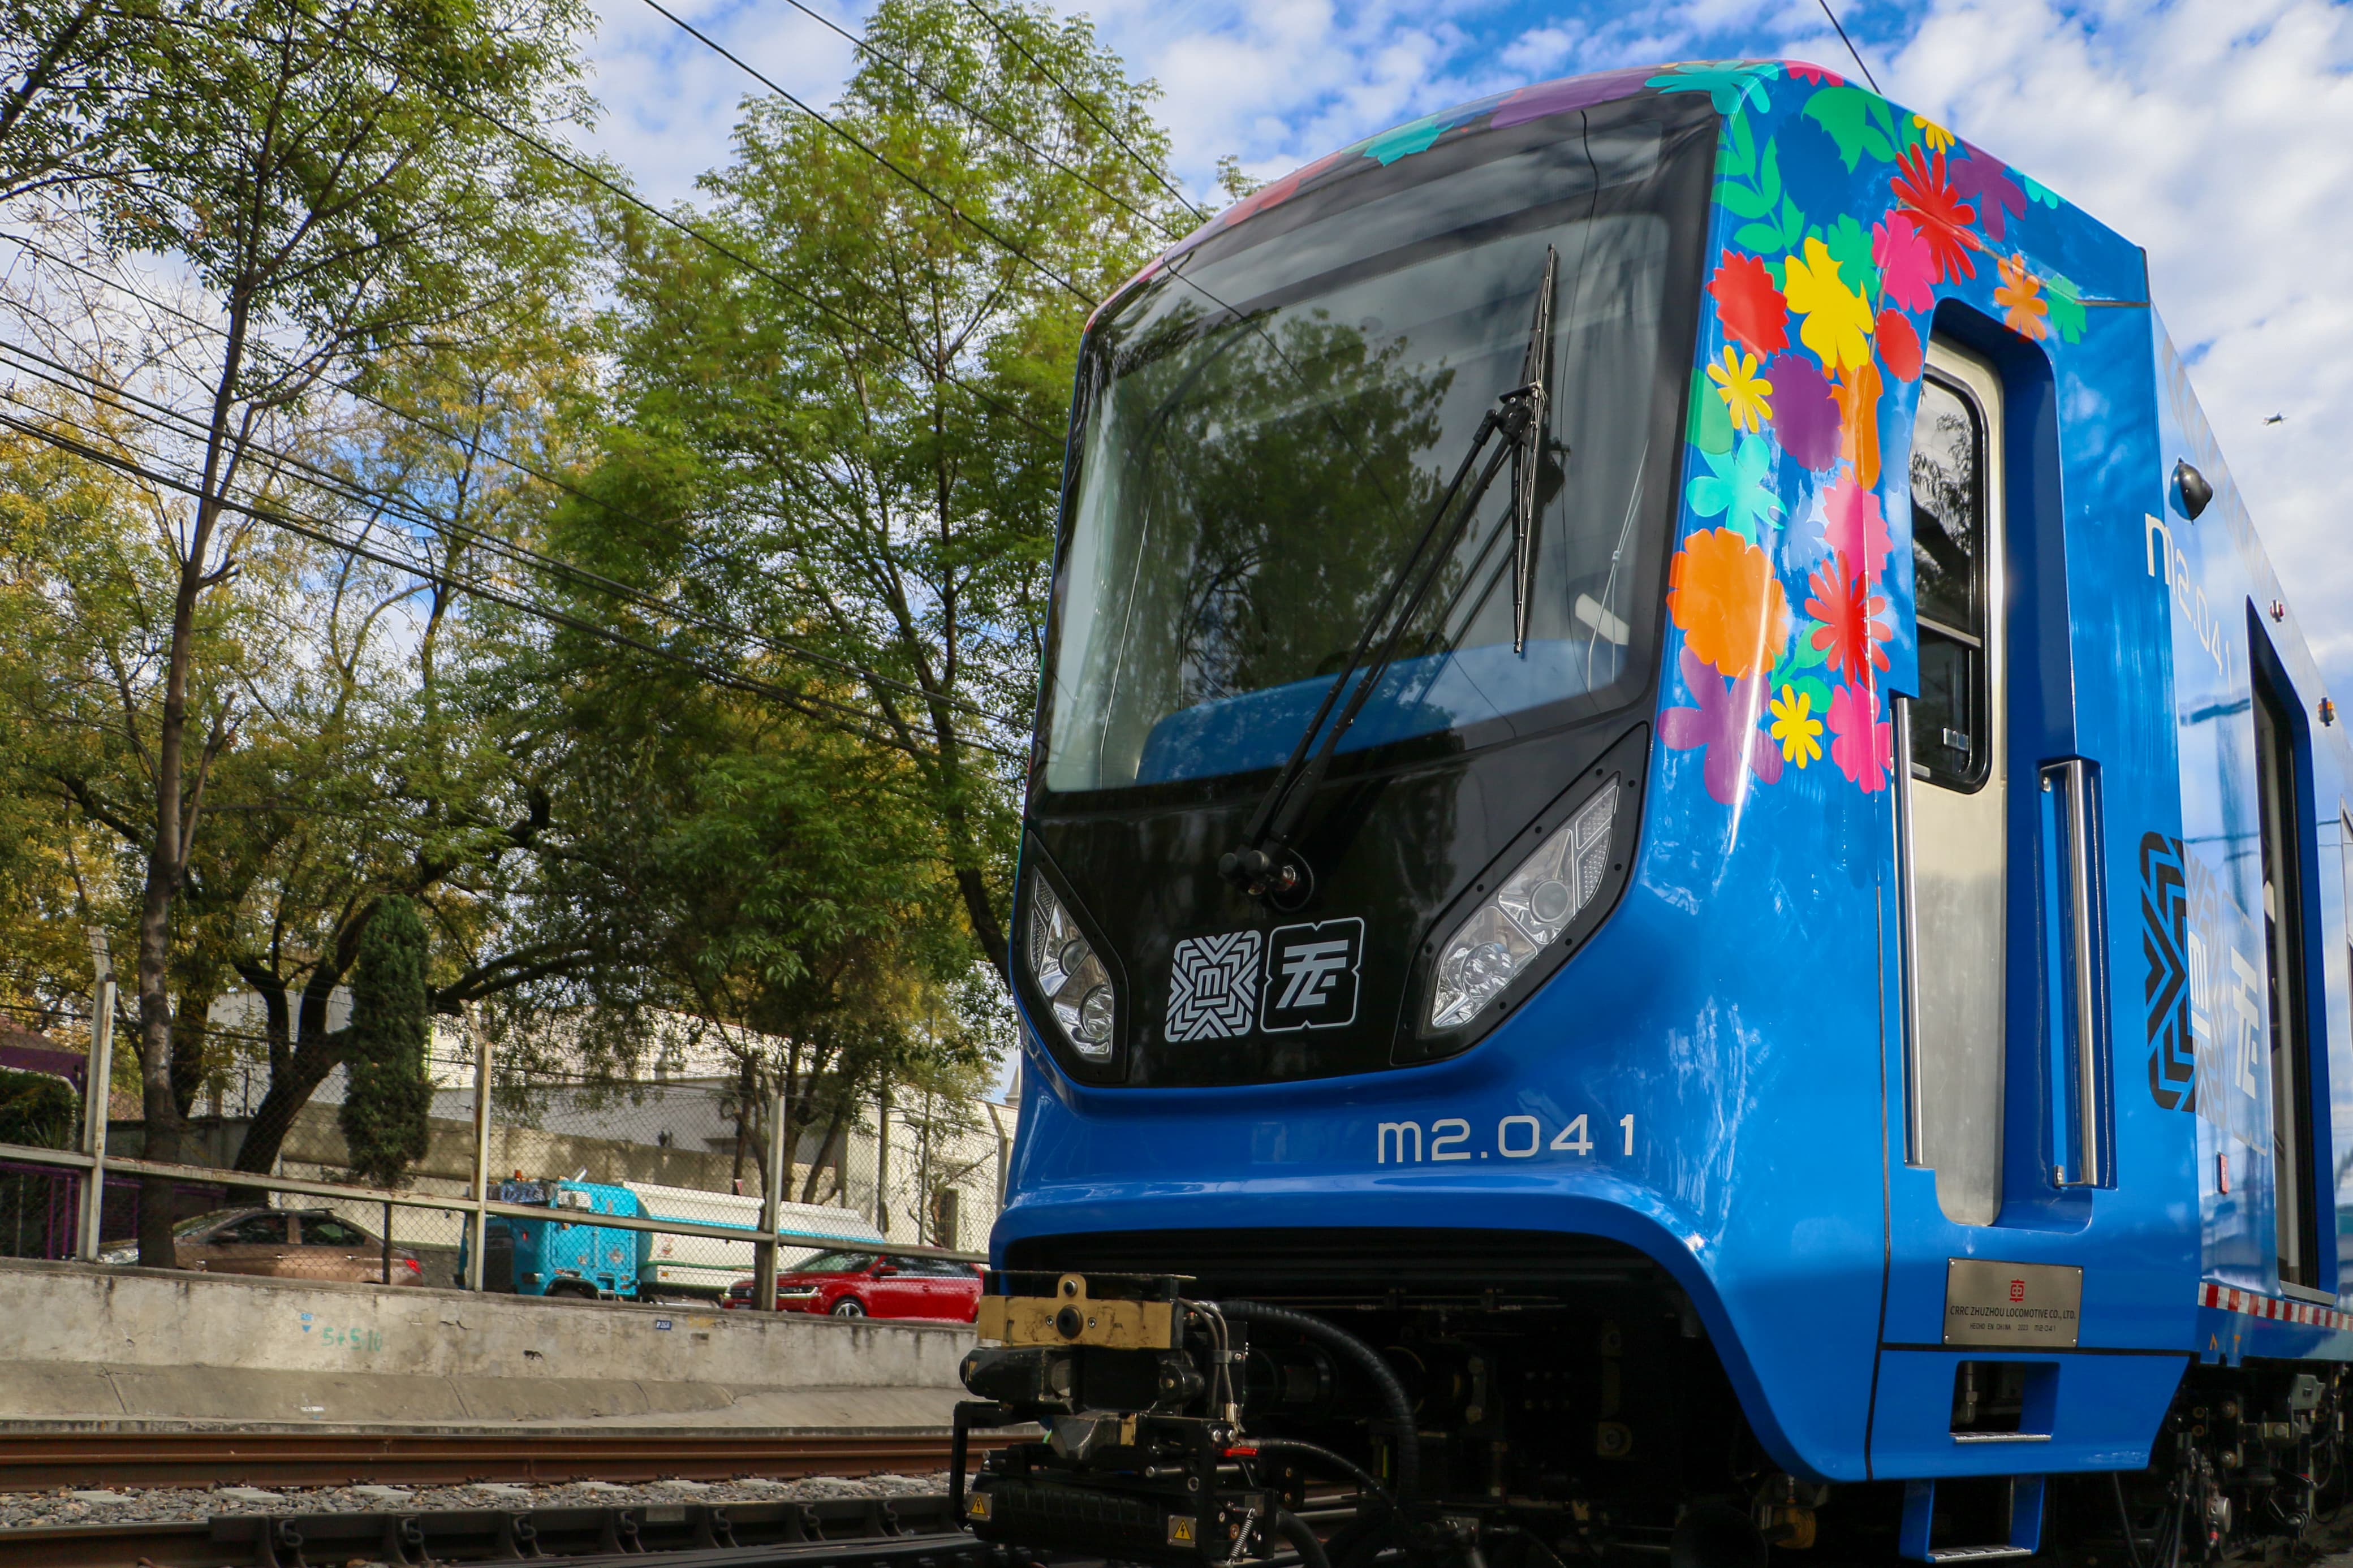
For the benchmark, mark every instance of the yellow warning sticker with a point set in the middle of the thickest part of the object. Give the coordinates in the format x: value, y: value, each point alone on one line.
x: 978, y: 1505
x: 1180, y: 1530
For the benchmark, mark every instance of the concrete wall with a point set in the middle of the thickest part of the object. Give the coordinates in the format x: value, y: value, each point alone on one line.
x: 125, y: 1348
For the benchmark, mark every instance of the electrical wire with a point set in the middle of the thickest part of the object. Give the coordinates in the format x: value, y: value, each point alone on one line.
x: 690, y: 30
x: 630, y: 198
x: 352, y: 389
x: 83, y: 383
x: 1850, y: 49
x: 1083, y: 107
x: 942, y: 95
x: 842, y: 716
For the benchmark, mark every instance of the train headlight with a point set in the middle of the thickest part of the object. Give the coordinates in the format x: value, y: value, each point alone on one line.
x: 1523, y: 916
x: 1077, y: 986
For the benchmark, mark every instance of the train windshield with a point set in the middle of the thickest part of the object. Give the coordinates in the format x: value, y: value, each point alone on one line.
x: 1267, y: 426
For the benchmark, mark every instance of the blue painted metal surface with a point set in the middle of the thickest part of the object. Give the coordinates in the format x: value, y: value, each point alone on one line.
x: 1732, y: 1036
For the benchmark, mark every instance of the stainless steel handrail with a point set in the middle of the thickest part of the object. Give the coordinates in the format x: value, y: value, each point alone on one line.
x: 1907, y: 936
x: 2073, y: 775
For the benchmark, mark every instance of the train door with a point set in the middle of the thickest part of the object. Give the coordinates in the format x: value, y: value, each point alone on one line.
x: 1958, y: 799
x: 2282, y: 803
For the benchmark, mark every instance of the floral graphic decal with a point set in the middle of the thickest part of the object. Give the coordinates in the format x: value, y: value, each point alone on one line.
x: 1725, y: 722
x: 1841, y: 223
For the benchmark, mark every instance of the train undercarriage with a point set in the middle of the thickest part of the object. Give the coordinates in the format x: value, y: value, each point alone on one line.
x: 1285, y: 1403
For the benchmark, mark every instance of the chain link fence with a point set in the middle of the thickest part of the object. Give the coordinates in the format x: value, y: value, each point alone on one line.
x: 653, y: 1187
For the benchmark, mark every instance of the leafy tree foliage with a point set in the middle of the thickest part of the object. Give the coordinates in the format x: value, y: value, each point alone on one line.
x: 389, y: 1095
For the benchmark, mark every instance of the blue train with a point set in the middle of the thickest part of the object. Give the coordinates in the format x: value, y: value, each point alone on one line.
x: 1683, y: 885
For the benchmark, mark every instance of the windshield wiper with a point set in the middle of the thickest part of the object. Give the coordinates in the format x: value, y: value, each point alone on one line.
x: 1265, y: 866
x: 1527, y: 454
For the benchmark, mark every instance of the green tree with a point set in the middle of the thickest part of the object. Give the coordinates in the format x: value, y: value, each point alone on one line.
x: 390, y: 1094
x: 869, y: 430
x: 333, y: 188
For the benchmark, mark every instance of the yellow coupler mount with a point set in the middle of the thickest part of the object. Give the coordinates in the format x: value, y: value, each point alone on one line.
x: 1071, y: 1317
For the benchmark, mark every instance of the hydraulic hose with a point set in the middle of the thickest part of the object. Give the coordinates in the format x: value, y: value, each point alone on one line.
x: 1366, y: 1482
x: 1367, y: 1361
x: 1294, y: 1529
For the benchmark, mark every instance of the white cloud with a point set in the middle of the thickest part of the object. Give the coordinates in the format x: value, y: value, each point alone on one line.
x: 2218, y: 134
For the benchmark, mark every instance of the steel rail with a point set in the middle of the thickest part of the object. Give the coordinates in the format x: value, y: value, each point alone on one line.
x: 907, y: 1533
x: 36, y: 1462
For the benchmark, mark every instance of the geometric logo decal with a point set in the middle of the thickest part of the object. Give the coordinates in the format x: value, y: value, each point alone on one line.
x: 1213, y: 987
x: 1311, y: 975
x: 2166, y: 987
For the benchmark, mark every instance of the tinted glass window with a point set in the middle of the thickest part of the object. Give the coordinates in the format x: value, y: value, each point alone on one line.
x: 1949, y: 511
x: 1268, y: 430
x: 1950, y: 738
x: 836, y: 1263
x: 326, y: 1230
x: 262, y: 1229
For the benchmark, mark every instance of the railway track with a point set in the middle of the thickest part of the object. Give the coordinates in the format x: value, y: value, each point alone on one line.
x: 111, y: 1459
x: 903, y: 1532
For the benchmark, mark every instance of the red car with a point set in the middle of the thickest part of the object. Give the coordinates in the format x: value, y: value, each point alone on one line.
x: 865, y: 1285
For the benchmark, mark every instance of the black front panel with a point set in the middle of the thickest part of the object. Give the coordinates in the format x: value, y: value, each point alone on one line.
x: 1219, y: 988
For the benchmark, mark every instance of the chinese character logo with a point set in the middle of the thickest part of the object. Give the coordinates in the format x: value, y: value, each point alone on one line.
x: 1213, y: 987
x: 1311, y: 977
x: 2018, y: 1290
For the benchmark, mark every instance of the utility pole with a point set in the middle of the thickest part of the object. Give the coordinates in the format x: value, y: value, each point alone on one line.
x: 479, y: 1223
x: 882, y: 1162
x: 764, y: 1257
x: 97, y: 1090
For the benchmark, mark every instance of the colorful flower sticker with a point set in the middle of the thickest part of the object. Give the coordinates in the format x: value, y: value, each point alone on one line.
x: 1414, y: 136
x: 1730, y: 85
x: 1861, y: 124
x: 1937, y: 210
x: 1852, y: 526
x: 1837, y: 322
x: 1899, y: 346
x: 1935, y: 135
x: 2019, y: 294
x: 1794, y: 725
x: 1738, y: 488
x: 1711, y: 426
x: 2066, y: 307
x: 1746, y: 396
x: 1723, y: 597
x: 1724, y: 721
x: 1858, y: 401
x: 1806, y: 70
x: 1850, y: 629
x: 1561, y: 97
x: 1984, y: 182
x: 1863, y: 747
x: 1748, y: 304
x: 1908, y: 267
x: 1805, y: 411
x: 1851, y: 247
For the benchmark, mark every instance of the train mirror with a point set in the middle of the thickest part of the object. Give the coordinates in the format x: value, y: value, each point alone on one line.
x: 2191, y: 492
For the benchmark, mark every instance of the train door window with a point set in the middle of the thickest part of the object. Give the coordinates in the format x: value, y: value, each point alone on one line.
x: 1958, y: 860
x: 2279, y: 789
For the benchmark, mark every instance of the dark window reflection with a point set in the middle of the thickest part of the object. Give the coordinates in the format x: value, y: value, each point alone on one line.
x: 1950, y: 733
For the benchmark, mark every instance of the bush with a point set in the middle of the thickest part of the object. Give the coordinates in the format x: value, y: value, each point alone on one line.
x: 39, y: 1110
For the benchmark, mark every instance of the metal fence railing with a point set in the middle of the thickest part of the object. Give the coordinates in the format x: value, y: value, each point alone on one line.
x: 672, y: 1187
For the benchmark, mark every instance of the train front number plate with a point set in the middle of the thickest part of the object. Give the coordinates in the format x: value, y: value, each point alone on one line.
x: 2027, y: 1306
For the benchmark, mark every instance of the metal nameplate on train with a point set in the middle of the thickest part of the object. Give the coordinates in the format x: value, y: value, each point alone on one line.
x: 2026, y: 1306
x: 1069, y: 1317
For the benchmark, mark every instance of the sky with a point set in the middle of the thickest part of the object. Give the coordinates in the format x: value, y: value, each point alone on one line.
x: 2216, y: 133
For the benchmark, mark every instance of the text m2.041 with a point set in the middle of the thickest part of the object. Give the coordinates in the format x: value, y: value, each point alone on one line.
x: 1517, y: 1138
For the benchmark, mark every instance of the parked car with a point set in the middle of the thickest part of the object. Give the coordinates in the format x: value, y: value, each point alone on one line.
x: 564, y: 1255
x: 283, y: 1244
x: 869, y: 1285
x: 701, y: 1266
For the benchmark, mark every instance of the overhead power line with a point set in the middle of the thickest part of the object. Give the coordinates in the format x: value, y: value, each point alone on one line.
x: 596, y: 177
x: 707, y: 41
x: 840, y: 715
x: 681, y: 536
x: 1850, y: 49
x: 943, y: 95
x: 1083, y: 107
x: 84, y: 383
